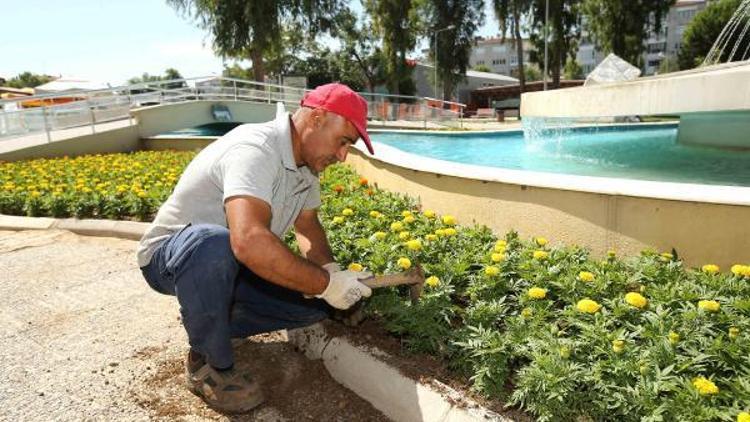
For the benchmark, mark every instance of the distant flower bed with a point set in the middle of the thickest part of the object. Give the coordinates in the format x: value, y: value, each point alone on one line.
x: 550, y: 329
x: 112, y: 186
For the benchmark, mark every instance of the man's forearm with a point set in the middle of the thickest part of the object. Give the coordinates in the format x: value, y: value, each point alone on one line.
x: 312, y: 241
x: 269, y: 258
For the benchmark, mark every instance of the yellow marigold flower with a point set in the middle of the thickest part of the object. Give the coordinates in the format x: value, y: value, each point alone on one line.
x: 501, y: 244
x: 741, y: 270
x: 347, y: 212
x: 429, y: 213
x: 336, y: 220
x: 397, y: 226
x: 527, y: 312
x: 356, y: 267
x: 705, y: 386
x: 537, y: 293
x: 440, y: 232
x: 710, y: 269
x: 497, y: 257
x: 540, y: 241
x: 586, y: 276
x: 743, y: 417
x: 379, y: 235
x: 564, y: 352
x: 432, y: 281
x: 406, y: 213
x: 674, y: 338
x: 734, y: 332
x: 404, y: 263
x: 414, y: 245
x: 449, y: 220
x: 404, y: 235
x: 636, y: 299
x: 588, y: 306
x: 35, y: 194
x: 666, y: 256
x: 409, y: 219
x: 141, y: 194
x: 431, y: 237
x: 540, y: 255
x: 450, y: 231
x: 499, y: 248
x: 611, y: 254
x: 618, y: 346
x: 709, y: 305
x: 375, y: 214
x: 491, y: 270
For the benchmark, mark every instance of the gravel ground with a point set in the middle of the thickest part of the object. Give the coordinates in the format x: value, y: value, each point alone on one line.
x: 82, y: 337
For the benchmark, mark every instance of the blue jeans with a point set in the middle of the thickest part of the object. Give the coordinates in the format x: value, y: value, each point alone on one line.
x: 219, y: 297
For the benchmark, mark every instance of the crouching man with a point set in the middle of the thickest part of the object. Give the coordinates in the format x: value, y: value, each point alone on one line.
x: 216, y: 242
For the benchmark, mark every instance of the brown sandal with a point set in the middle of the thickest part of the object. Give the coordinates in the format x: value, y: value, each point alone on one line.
x: 229, y: 391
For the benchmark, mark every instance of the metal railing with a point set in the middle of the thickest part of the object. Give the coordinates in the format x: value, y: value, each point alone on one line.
x: 45, y: 114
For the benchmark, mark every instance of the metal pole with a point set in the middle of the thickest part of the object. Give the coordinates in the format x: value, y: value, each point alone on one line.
x: 546, y: 36
x: 46, y: 124
x: 436, y: 61
x: 234, y: 83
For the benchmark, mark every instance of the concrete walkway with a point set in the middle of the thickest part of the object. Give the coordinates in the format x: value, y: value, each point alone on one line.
x: 82, y: 337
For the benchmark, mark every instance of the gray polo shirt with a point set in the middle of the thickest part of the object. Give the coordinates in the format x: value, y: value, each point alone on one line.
x: 252, y: 159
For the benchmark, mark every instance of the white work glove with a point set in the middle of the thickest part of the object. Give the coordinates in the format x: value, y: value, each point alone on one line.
x: 332, y: 267
x: 344, y: 288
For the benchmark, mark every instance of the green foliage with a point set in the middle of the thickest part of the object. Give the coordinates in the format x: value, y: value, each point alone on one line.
x: 27, y: 80
x: 397, y: 23
x: 510, y: 14
x: 243, y: 29
x: 454, y: 45
x: 113, y: 186
x: 563, y: 30
x: 704, y: 30
x: 481, y: 68
x: 573, y: 70
x: 621, y: 26
x: 544, y: 355
x: 169, y: 74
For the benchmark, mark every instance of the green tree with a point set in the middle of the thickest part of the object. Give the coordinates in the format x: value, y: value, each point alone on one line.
x: 454, y: 45
x: 169, y: 74
x: 397, y: 23
x: 563, y: 31
x: 28, y: 80
x: 572, y: 70
x: 704, y: 30
x: 253, y: 29
x: 359, y: 45
x: 481, y: 68
x: 621, y: 26
x: 532, y: 72
x: 510, y: 14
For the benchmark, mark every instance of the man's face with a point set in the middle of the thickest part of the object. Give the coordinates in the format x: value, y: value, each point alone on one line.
x: 328, y: 141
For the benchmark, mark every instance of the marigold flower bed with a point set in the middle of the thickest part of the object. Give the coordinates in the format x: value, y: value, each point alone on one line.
x: 545, y: 327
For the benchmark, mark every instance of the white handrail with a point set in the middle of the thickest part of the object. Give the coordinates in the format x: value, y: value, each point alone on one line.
x: 92, y: 107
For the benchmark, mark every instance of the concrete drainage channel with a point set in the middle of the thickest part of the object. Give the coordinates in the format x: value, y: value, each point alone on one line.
x: 362, y: 370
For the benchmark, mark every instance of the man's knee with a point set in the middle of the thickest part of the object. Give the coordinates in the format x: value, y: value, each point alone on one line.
x: 202, y: 247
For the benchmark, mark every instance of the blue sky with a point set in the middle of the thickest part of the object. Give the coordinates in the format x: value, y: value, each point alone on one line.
x: 108, y: 40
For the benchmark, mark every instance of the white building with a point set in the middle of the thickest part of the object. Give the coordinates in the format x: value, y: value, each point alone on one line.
x: 498, y: 55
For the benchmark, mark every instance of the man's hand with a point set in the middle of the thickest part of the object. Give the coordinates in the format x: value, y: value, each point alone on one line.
x: 344, y: 288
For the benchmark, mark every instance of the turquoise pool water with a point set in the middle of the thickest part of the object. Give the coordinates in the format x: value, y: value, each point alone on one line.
x: 647, y: 152
x: 210, y: 129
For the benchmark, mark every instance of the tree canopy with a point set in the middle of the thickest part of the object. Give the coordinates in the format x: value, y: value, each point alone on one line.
x: 704, y: 30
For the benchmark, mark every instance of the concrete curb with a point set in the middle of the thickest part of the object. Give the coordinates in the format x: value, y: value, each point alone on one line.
x: 132, y: 230
x: 360, y: 369
x: 401, y: 398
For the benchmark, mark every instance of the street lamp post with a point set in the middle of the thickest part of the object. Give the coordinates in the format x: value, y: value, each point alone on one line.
x: 449, y: 27
x: 546, y: 36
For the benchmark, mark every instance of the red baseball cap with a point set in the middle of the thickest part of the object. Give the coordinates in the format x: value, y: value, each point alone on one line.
x: 340, y: 99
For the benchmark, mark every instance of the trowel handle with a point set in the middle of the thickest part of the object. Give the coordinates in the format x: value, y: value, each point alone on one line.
x: 414, y: 276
